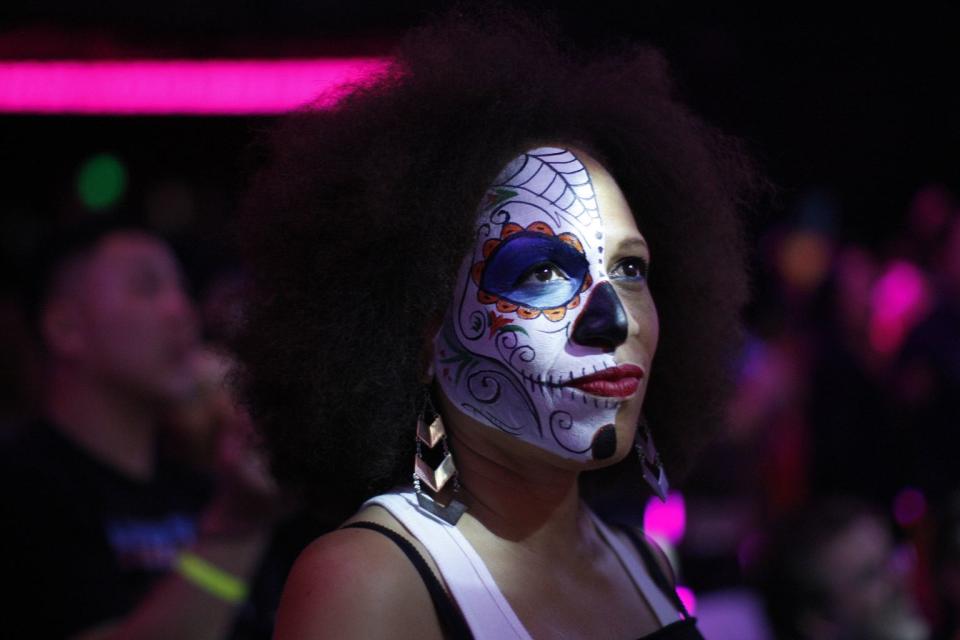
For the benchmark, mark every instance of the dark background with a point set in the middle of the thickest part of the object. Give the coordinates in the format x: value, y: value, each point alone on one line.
x: 858, y: 108
x: 862, y: 104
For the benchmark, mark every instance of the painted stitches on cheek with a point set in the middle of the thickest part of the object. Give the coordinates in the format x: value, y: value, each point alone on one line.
x: 532, y: 271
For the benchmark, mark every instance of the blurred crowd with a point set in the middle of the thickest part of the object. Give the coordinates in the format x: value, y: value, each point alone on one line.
x: 834, y: 494
x: 830, y: 509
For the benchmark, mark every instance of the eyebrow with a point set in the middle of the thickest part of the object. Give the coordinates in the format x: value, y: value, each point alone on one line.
x: 635, y: 242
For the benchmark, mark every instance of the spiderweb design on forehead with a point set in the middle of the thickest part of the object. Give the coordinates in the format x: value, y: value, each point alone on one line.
x: 556, y: 175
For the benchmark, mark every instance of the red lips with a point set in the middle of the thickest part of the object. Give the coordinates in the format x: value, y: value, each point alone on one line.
x: 616, y: 382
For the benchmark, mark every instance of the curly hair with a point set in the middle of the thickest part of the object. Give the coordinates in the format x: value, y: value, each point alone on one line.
x: 358, y: 221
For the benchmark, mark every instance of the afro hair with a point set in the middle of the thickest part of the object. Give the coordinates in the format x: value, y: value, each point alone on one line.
x: 357, y: 223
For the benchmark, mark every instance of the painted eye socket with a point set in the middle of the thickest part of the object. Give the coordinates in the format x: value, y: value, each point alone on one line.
x: 632, y: 268
x: 534, y: 270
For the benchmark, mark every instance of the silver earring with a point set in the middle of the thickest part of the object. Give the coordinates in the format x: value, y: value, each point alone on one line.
x: 653, y: 471
x: 442, y: 483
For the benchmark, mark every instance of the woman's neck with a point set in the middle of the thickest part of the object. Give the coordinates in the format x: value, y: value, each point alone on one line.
x: 515, y: 496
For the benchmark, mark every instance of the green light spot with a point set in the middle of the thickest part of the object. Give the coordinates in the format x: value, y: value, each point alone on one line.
x: 101, y: 181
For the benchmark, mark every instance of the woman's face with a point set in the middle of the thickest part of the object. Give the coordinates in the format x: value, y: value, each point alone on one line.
x: 552, y: 330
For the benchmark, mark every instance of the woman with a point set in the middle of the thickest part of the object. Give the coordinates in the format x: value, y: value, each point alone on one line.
x: 468, y: 238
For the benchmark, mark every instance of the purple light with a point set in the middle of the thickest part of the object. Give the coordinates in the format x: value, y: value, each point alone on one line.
x: 909, y: 506
x: 666, y: 520
x: 688, y: 599
x: 177, y: 87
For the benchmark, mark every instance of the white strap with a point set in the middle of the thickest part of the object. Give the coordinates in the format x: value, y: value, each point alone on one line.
x: 665, y: 611
x: 484, y: 607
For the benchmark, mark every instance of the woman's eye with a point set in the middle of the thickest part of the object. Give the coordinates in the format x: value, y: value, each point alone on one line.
x: 630, y: 269
x: 545, y: 272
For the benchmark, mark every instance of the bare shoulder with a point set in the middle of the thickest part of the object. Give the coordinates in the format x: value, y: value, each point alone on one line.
x: 355, y: 583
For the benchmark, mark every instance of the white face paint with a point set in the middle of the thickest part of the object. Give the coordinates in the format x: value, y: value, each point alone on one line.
x: 507, y: 353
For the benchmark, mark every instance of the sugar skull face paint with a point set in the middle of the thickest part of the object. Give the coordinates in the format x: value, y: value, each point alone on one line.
x: 528, y: 345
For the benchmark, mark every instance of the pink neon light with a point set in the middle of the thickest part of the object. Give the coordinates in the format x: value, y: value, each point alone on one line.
x: 666, y: 520
x: 900, y: 298
x: 688, y: 599
x: 174, y: 87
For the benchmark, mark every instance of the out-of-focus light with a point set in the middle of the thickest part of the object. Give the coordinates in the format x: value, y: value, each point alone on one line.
x: 186, y: 87
x: 904, y: 559
x: 804, y: 259
x: 688, y: 599
x: 101, y: 181
x: 666, y: 520
x: 899, y: 299
x: 909, y: 506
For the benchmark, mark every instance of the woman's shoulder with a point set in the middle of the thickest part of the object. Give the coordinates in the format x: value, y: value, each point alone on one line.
x: 354, y: 582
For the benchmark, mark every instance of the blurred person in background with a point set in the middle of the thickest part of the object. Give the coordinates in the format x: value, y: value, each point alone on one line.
x: 926, y: 380
x: 831, y: 573
x: 104, y: 535
x: 210, y: 432
x: 928, y: 219
x: 847, y: 403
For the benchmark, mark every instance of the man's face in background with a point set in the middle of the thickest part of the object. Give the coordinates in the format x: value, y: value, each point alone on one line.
x: 120, y: 314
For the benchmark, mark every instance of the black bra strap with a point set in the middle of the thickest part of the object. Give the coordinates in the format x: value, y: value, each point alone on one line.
x: 654, y: 569
x: 451, y: 620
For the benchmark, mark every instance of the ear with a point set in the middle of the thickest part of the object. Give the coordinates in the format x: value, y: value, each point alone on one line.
x: 61, y: 327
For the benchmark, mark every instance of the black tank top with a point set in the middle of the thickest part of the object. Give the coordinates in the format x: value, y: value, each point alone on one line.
x: 454, y: 626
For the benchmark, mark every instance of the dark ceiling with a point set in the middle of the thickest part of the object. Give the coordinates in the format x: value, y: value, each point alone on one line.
x: 860, y: 103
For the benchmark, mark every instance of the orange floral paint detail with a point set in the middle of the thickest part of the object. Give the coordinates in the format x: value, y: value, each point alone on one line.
x: 496, y: 322
x: 571, y: 240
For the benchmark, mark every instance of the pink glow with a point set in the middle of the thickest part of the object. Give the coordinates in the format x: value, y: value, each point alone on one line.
x: 899, y: 300
x: 909, y: 506
x: 176, y: 87
x: 666, y: 520
x: 688, y: 599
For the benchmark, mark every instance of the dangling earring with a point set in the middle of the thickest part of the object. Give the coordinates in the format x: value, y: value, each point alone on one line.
x: 441, y: 480
x: 653, y: 472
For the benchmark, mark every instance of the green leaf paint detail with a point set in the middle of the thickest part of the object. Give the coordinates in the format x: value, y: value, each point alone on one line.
x: 499, y: 195
x: 461, y: 357
x: 512, y: 328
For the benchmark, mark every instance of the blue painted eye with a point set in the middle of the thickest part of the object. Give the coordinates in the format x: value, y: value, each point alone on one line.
x: 633, y: 268
x: 534, y: 270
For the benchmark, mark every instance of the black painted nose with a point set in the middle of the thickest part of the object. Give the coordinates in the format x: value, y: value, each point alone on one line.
x: 603, y: 322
